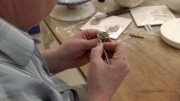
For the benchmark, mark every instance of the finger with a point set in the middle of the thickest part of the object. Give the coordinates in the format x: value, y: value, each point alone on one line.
x: 108, y: 40
x: 121, y: 51
x: 121, y: 48
x: 120, y: 58
x: 89, y: 34
x: 110, y: 47
x: 89, y: 44
x: 96, y: 53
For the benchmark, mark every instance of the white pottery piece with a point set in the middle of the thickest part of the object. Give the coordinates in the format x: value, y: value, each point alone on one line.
x: 170, y: 33
x: 129, y: 3
x: 81, y: 12
x: 174, y: 5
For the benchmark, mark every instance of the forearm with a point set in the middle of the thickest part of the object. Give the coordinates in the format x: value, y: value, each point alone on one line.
x: 97, y: 98
x: 98, y: 94
x: 53, y: 60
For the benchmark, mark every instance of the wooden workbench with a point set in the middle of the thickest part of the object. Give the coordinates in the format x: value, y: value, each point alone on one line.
x: 155, y: 66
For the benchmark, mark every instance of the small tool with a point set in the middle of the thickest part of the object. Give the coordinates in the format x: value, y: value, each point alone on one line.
x: 148, y: 28
x: 103, y: 36
x: 111, y: 13
x: 136, y: 35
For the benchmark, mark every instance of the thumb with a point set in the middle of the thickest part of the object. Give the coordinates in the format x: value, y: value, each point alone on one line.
x: 89, y: 44
x: 97, y: 52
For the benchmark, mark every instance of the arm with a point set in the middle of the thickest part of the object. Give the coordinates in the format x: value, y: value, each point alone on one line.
x: 103, y: 80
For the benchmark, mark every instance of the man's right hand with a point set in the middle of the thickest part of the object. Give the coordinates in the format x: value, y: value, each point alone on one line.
x: 103, y: 81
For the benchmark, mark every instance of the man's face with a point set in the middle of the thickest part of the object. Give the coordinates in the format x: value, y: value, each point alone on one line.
x: 25, y: 14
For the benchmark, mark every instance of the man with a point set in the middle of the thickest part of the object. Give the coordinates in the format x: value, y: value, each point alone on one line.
x: 24, y: 75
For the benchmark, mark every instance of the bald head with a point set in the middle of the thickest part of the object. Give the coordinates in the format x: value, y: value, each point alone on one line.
x: 25, y: 14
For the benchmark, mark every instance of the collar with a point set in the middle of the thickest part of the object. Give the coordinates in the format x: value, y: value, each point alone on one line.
x: 16, y: 44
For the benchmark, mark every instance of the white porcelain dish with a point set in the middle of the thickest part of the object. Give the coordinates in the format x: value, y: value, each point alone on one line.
x: 170, y: 32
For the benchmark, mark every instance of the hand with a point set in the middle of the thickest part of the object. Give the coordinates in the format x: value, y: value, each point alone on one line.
x: 103, y: 80
x: 74, y: 52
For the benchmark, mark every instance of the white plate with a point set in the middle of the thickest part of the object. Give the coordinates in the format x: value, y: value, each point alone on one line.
x: 107, y: 23
x: 170, y: 32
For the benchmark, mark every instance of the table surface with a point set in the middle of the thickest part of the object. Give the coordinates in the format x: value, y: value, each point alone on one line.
x: 155, y: 66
